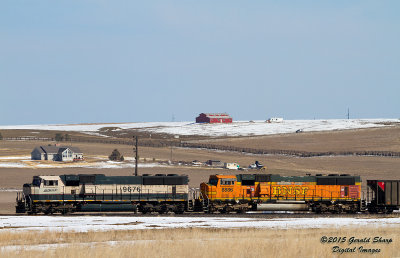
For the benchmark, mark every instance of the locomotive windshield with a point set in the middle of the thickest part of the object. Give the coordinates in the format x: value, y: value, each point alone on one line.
x: 36, y: 181
x: 213, y: 181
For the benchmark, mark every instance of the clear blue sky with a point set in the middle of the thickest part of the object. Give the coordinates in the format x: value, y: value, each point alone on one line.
x: 128, y: 61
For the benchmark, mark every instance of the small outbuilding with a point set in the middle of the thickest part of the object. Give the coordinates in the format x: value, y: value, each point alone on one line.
x: 275, y: 120
x: 215, y: 163
x: 213, y: 118
x: 234, y: 166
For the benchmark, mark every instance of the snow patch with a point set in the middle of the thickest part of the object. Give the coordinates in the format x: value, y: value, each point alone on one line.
x: 239, y: 128
x: 15, y: 157
x: 97, y: 223
x: 98, y: 165
x: 12, y: 165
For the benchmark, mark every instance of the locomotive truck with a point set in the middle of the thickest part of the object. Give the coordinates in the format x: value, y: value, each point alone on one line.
x: 222, y: 193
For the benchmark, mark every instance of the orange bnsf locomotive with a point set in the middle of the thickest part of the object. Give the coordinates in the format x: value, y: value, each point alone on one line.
x: 268, y: 192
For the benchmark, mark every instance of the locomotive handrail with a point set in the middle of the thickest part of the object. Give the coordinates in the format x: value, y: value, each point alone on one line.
x: 204, y: 194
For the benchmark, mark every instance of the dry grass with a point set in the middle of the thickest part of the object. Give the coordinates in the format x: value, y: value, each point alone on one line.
x: 192, y: 242
x: 371, y: 139
x: 366, y: 139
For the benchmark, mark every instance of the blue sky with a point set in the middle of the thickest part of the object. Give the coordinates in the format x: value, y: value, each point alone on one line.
x: 128, y: 61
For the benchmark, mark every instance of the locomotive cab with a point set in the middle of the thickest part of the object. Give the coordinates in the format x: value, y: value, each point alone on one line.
x: 42, y: 184
x: 219, y: 186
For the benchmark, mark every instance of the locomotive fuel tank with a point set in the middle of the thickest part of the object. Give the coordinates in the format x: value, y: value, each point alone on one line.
x: 282, y: 205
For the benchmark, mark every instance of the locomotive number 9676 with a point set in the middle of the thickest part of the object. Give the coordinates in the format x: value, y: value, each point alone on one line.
x: 131, y: 189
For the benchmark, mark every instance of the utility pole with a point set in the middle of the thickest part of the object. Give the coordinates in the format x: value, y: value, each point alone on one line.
x: 135, y: 138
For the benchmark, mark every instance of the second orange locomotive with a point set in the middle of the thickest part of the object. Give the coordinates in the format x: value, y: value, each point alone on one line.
x: 269, y: 192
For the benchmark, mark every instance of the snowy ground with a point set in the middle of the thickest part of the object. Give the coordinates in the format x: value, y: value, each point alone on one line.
x: 25, y: 162
x: 240, y: 128
x: 84, y: 223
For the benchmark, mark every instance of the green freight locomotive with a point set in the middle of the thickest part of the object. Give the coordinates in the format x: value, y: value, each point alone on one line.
x: 71, y: 193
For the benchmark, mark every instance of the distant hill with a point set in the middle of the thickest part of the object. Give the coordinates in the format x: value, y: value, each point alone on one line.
x: 239, y: 128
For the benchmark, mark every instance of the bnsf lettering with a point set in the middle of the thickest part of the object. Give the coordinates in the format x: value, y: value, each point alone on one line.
x: 131, y: 189
x: 289, y: 190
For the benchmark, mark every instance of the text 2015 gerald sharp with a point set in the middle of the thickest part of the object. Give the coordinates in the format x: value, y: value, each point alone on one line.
x: 356, y: 240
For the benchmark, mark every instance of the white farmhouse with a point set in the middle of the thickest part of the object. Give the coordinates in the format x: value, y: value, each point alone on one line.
x: 275, y: 120
x: 56, y: 153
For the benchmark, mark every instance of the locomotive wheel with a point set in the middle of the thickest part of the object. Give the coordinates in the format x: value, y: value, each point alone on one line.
x: 48, y: 211
x: 226, y: 210
x: 179, y: 209
x: 66, y: 211
x: 211, y: 210
x: 388, y: 211
x: 240, y: 211
x: 163, y: 210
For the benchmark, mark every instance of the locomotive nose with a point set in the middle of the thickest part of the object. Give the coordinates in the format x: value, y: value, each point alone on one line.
x: 27, y: 189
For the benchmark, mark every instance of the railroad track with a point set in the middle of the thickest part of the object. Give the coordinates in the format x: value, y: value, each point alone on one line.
x: 233, y: 215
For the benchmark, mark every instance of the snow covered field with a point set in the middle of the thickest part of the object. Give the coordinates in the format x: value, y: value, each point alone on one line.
x: 84, y: 223
x: 25, y: 162
x: 240, y: 128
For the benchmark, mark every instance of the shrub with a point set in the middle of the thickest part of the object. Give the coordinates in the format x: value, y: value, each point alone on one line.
x: 116, y: 156
x: 59, y: 137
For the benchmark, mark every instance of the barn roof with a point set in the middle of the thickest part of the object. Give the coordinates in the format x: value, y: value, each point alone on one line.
x: 49, y: 149
x: 57, y: 149
x: 39, y: 149
x: 217, y: 114
x: 73, y: 149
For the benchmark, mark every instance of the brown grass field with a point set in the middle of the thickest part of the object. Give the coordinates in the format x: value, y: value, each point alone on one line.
x: 194, y: 242
x: 210, y: 242
x: 371, y: 139
x: 384, y: 139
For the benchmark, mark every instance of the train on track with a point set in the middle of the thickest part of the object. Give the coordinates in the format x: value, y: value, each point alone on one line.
x: 221, y: 194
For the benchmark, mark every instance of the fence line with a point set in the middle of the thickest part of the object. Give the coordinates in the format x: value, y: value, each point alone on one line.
x: 160, y: 144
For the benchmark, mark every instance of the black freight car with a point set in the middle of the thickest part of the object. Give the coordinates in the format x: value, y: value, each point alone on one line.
x: 383, y: 195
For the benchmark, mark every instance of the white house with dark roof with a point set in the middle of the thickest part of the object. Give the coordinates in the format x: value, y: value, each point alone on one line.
x: 56, y: 153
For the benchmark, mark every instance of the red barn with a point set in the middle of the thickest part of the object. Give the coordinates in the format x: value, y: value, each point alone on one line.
x: 213, y: 118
